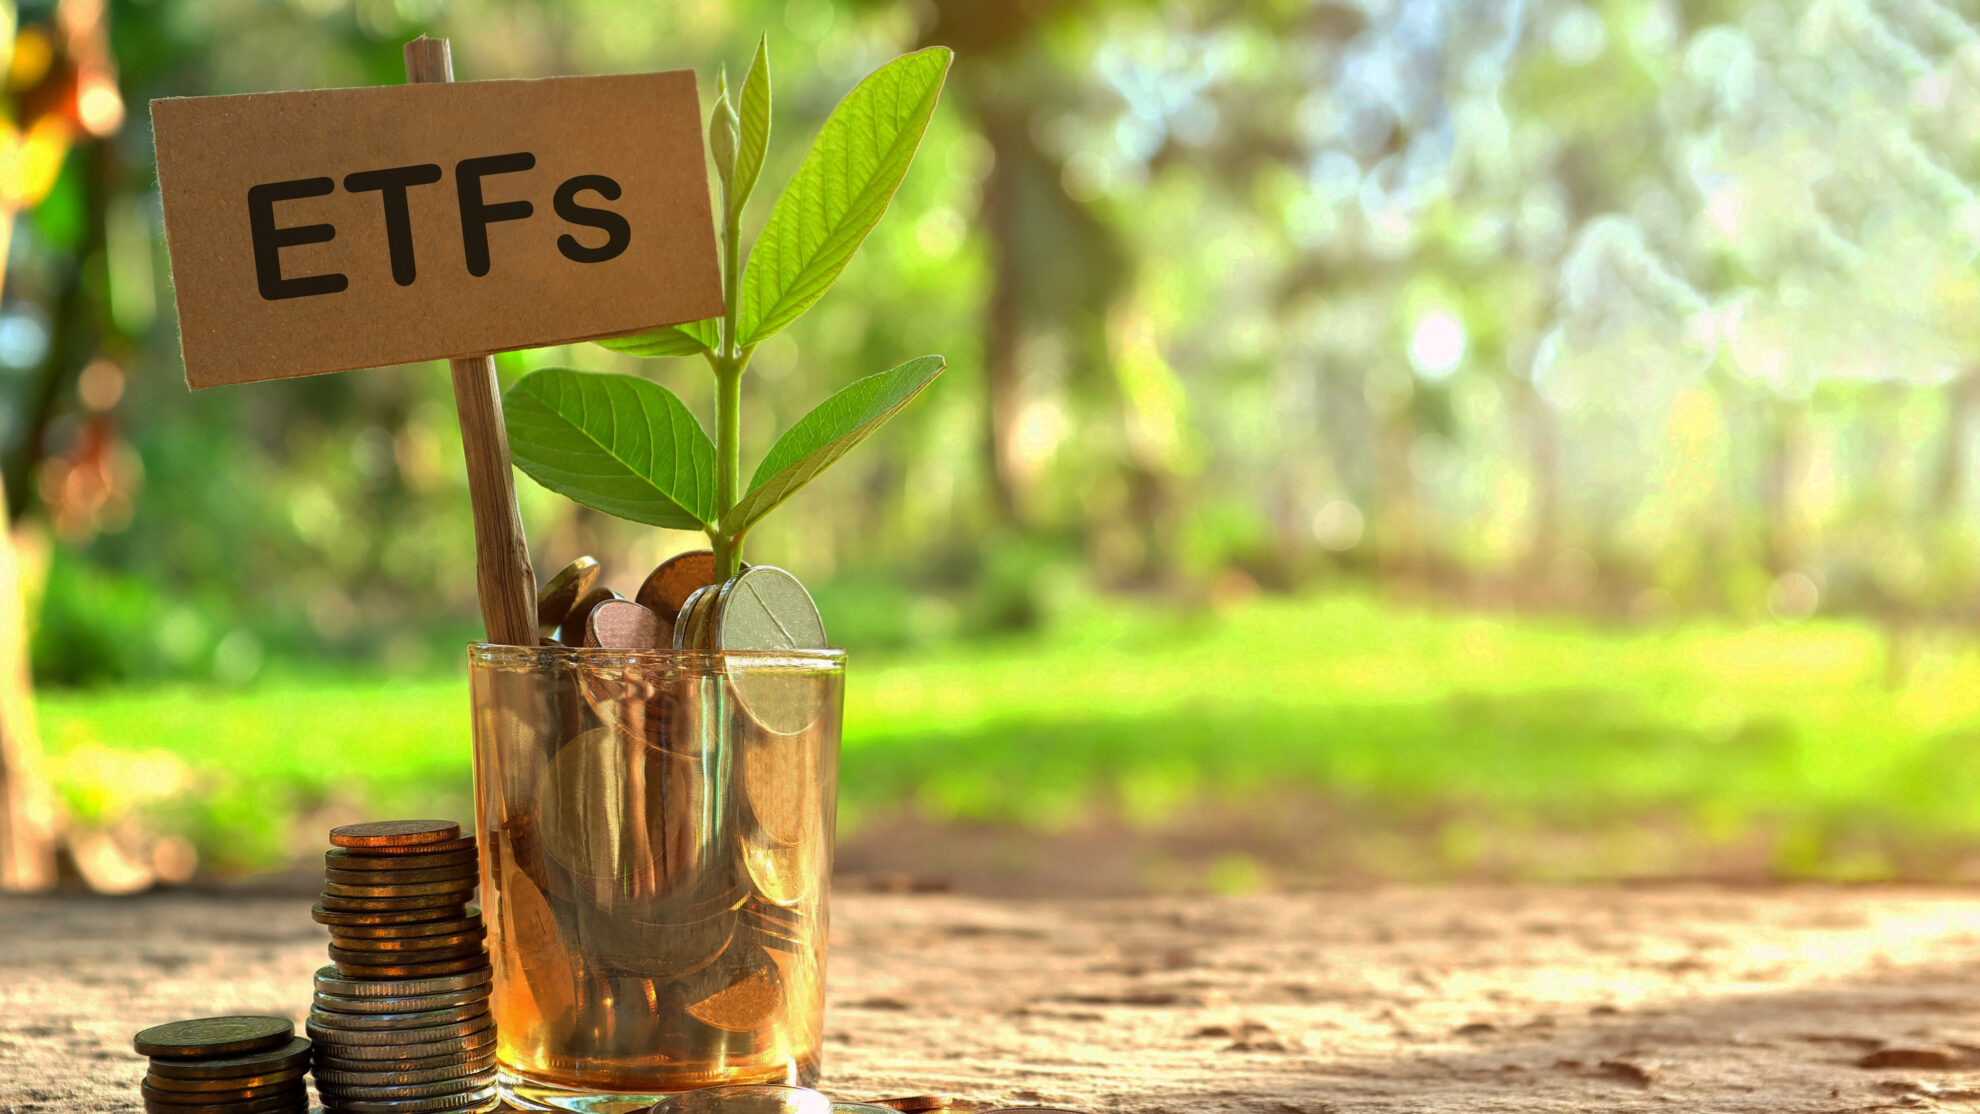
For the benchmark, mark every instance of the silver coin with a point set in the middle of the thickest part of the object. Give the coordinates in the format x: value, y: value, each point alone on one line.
x: 779, y: 772
x: 330, y: 981
x: 343, y: 1051
x: 480, y: 1099
x: 357, y: 1022
x: 761, y: 1098
x: 337, y: 1003
x: 403, y: 1078
x: 766, y: 608
x: 469, y: 1061
x: 436, y: 1089
x: 691, y: 629
x: 347, y: 1038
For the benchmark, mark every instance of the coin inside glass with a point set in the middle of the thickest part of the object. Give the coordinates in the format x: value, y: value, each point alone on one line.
x: 613, y: 810
x: 622, y: 625
x: 766, y: 608
x: 571, y: 631
x: 562, y: 592
x: 779, y: 778
x: 667, y: 588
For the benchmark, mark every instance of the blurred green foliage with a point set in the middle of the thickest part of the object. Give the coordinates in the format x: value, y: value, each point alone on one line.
x: 1506, y: 302
x: 1345, y: 737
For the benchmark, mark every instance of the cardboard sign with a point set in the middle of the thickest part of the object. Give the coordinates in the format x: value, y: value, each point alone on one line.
x: 349, y: 228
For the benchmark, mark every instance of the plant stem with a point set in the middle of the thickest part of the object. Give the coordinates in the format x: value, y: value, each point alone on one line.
x: 728, y: 459
x: 729, y: 366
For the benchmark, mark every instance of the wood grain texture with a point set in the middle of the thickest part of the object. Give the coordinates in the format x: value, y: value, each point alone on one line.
x: 1399, y: 1000
x: 504, y: 578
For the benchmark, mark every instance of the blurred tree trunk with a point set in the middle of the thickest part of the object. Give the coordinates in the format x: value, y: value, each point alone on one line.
x: 1543, y: 454
x: 1949, y: 474
x: 27, y: 809
x: 27, y: 812
x: 1001, y: 317
x: 1787, y: 459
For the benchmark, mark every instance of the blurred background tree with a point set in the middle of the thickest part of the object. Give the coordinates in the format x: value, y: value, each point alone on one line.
x: 1649, y: 318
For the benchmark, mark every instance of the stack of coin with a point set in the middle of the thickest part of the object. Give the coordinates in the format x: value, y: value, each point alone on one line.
x: 401, y: 1019
x: 236, y: 1065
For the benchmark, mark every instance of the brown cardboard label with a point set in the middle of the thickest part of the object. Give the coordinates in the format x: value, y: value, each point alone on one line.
x: 348, y: 228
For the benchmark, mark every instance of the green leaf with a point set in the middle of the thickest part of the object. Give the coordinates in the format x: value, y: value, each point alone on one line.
x: 690, y: 339
x: 840, y: 191
x: 722, y: 137
x: 821, y: 437
x: 755, y: 122
x: 616, y: 443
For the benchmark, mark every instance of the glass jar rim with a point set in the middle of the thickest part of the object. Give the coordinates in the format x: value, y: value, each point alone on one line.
x: 496, y: 653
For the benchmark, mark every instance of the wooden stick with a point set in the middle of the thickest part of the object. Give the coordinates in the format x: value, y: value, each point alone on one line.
x: 503, y: 576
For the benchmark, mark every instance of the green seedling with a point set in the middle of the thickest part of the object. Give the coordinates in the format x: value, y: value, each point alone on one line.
x: 628, y: 446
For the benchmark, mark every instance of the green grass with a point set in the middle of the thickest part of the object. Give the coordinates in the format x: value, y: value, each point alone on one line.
x: 1476, y: 741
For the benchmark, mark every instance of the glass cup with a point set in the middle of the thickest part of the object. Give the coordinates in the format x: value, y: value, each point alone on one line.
x: 656, y: 849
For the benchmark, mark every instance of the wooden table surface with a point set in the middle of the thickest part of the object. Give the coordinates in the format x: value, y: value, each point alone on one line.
x: 1402, y: 999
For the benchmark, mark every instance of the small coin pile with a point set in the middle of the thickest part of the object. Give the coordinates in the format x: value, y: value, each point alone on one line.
x: 400, y: 1019
x: 225, y: 1065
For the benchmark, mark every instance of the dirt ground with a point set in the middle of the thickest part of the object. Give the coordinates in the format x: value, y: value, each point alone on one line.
x: 1402, y: 999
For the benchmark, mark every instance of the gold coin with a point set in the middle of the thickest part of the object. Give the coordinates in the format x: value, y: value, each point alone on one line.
x: 915, y: 1104
x: 425, y: 913
x: 345, y: 957
x: 414, y: 970
x: 407, y: 931
x: 463, y: 843
x: 556, y: 598
x: 213, y: 1037
x: 228, y: 1083
x: 446, y: 905
x: 530, y: 927
x: 458, y: 886
x: 395, y: 833
x: 744, y: 992
x: 288, y: 1102
x: 345, y: 858
x: 212, y: 1098
x: 466, y: 872
x: 294, y: 1054
x: 401, y: 944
